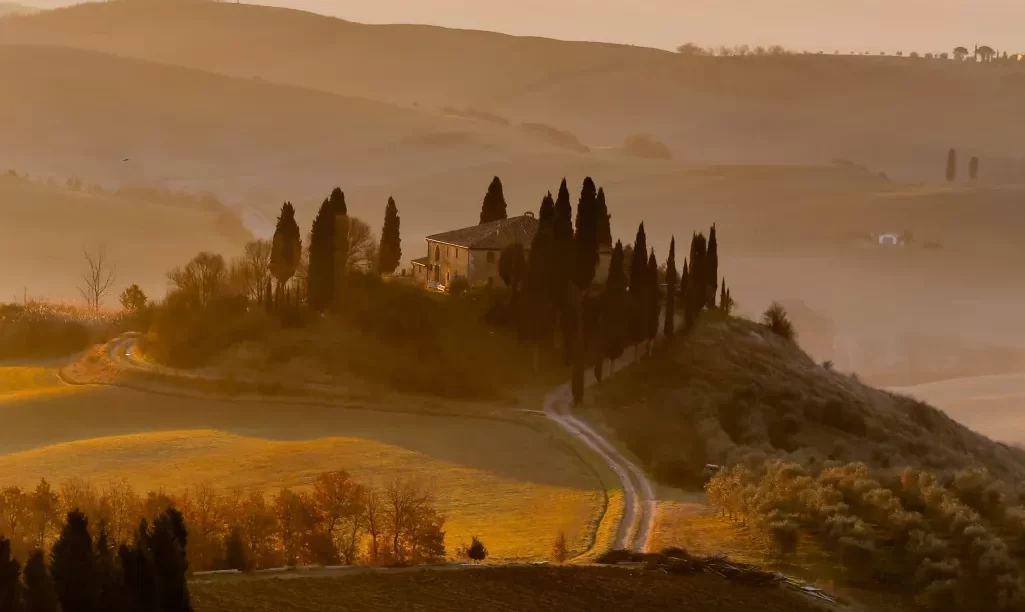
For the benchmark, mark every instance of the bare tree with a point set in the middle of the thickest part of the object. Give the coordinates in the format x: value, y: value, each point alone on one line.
x: 373, y: 521
x: 403, y: 501
x: 202, y: 279
x: 98, y: 277
x: 362, y: 246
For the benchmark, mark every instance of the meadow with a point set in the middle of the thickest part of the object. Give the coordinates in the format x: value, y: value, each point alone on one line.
x: 515, y: 486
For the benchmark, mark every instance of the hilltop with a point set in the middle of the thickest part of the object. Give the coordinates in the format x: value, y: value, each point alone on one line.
x: 794, y: 109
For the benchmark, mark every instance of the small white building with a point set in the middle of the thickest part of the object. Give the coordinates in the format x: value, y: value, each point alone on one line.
x: 890, y: 240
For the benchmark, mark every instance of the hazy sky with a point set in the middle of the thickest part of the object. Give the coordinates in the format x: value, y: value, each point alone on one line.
x: 826, y: 25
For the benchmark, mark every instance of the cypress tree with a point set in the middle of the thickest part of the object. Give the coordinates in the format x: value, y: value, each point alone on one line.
x: 670, y: 323
x: 547, y: 212
x: 684, y: 283
x: 723, y: 306
x: 110, y: 591
x: 235, y: 552
x: 341, y: 210
x: 651, y: 301
x: 391, y: 243
x: 951, y: 164
x: 586, y: 241
x: 10, y: 579
x: 167, y: 542
x: 973, y: 168
x: 697, y: 285
x: 563, y: 247
x: 614, y: 306
x: 321, y: 283
x: 493, y: 208
x: 286, y: 248
x: 638, y: 285
x: 73, y: 566
x: 604, y: 220
x: 40, y: 594
x: 711, y: 274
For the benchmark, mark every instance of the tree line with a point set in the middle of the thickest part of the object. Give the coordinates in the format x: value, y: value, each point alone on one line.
x: 554, y: 299
x: 339, y: 520
x: 973, y: 166
x: 86, y: 572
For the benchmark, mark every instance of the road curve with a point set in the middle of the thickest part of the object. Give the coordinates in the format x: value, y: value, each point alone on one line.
x: 639, y: 501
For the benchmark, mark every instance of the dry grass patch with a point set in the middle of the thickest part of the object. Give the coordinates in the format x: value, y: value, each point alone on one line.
x: 20, y: 382
x: 504, y: 483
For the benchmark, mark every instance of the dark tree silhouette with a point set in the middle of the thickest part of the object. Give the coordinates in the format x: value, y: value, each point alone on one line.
x: 40, y: 594
x: 286, y: 250
x: 652, y: 307
x: 342, y: 242
x: 973, y: 168
x: 776, y: 319
x: 391, y: 242
x: 604, y: 220
x: 638, y: 285
x: 586, y: 241
x: 167, y: 541
x: 477, y: 552
x: 10, y: 579
x: 235, y: 552
x: 684, y: 283
x: 547, y: 212
x: 512, y: 264
x: 711, y: 272
x: 539, y: 310
x: 493, y: 208
x: 563, y: 246
x: 73, y: 566
x: 110, y: 587
x: 320, y: 289
x: 697, y: 283
x: 615, y: 307
x: 951, y: 165
x: 670, y: 322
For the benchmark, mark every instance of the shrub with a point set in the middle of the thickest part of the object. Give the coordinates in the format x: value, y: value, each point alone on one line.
x: 459, y: 286
x: 776, y: 319
x: 559, y: 552
x: 477, y: 552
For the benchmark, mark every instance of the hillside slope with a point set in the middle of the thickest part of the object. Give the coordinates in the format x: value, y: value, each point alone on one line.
x: 752, y: 109
x: 731, y: 390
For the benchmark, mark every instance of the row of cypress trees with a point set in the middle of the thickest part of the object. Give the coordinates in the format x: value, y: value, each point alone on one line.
x: 328, y: 247
x: 554, y: 291
x: 86, y: 574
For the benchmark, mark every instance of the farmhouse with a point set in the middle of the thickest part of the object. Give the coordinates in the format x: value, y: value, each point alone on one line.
x: 473, y: 252
x: 890, y: 239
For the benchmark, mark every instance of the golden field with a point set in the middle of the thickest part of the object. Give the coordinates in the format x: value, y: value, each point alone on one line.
x: 514, y: 485
x: 18, y: 382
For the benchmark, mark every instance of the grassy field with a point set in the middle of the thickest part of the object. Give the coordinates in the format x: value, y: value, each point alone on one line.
x: 540, y: 589
x: 20, y: 382
x: 514, y: 486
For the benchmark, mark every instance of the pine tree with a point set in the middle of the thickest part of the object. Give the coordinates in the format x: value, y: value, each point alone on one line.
x: 321, y: 277
x: 586, y: 240
x: 638, y: 288
x: 670, y: 322
x: 40, y: 594
x: 951, y: 165
x: 391, y: 244
x: 493, y: 208
x: 73, y: 566
x: 711, y: 273
x: 547, y: 212
x: 604, y: 220
x: 614, y: 306
x: 286, y: 249
x: 10, y: 579
x: 167, y: 542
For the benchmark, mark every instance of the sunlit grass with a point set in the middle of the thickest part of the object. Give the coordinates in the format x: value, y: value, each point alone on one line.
x: 26, y: 382
x: 517, y: 513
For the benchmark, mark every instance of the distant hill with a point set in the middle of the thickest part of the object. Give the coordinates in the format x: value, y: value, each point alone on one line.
x: 13, y: 8
x: 896, y: 114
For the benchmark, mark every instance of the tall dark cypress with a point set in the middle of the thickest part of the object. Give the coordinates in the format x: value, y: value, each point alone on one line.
x: 341, y: 237
x: 652, y: 307
x: 40, y: 594
x: 697, y: 283
x: 10, y: 579
x: 711, y: 274
x: 604, y: 220
x: 391, y: 243
x: 493, y: 208
x: 951, y: 164
x: 321, y: 283
x: 562, y: 274
x: 684, y: 283
x: 73, y: 566
x: 614, y: 306
x: 670, y: 323
x: 586, y: 241
x: 638, y: 285
x: 547, y: 212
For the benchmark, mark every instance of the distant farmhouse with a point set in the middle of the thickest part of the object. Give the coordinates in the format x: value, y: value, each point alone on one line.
x: 473, y: 252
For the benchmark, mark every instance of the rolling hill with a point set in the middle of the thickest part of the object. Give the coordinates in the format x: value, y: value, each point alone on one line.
x: 896, y: 114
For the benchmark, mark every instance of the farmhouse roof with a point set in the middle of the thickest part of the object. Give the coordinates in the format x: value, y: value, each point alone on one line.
x: 493, y: 235
x: 421, y: 261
